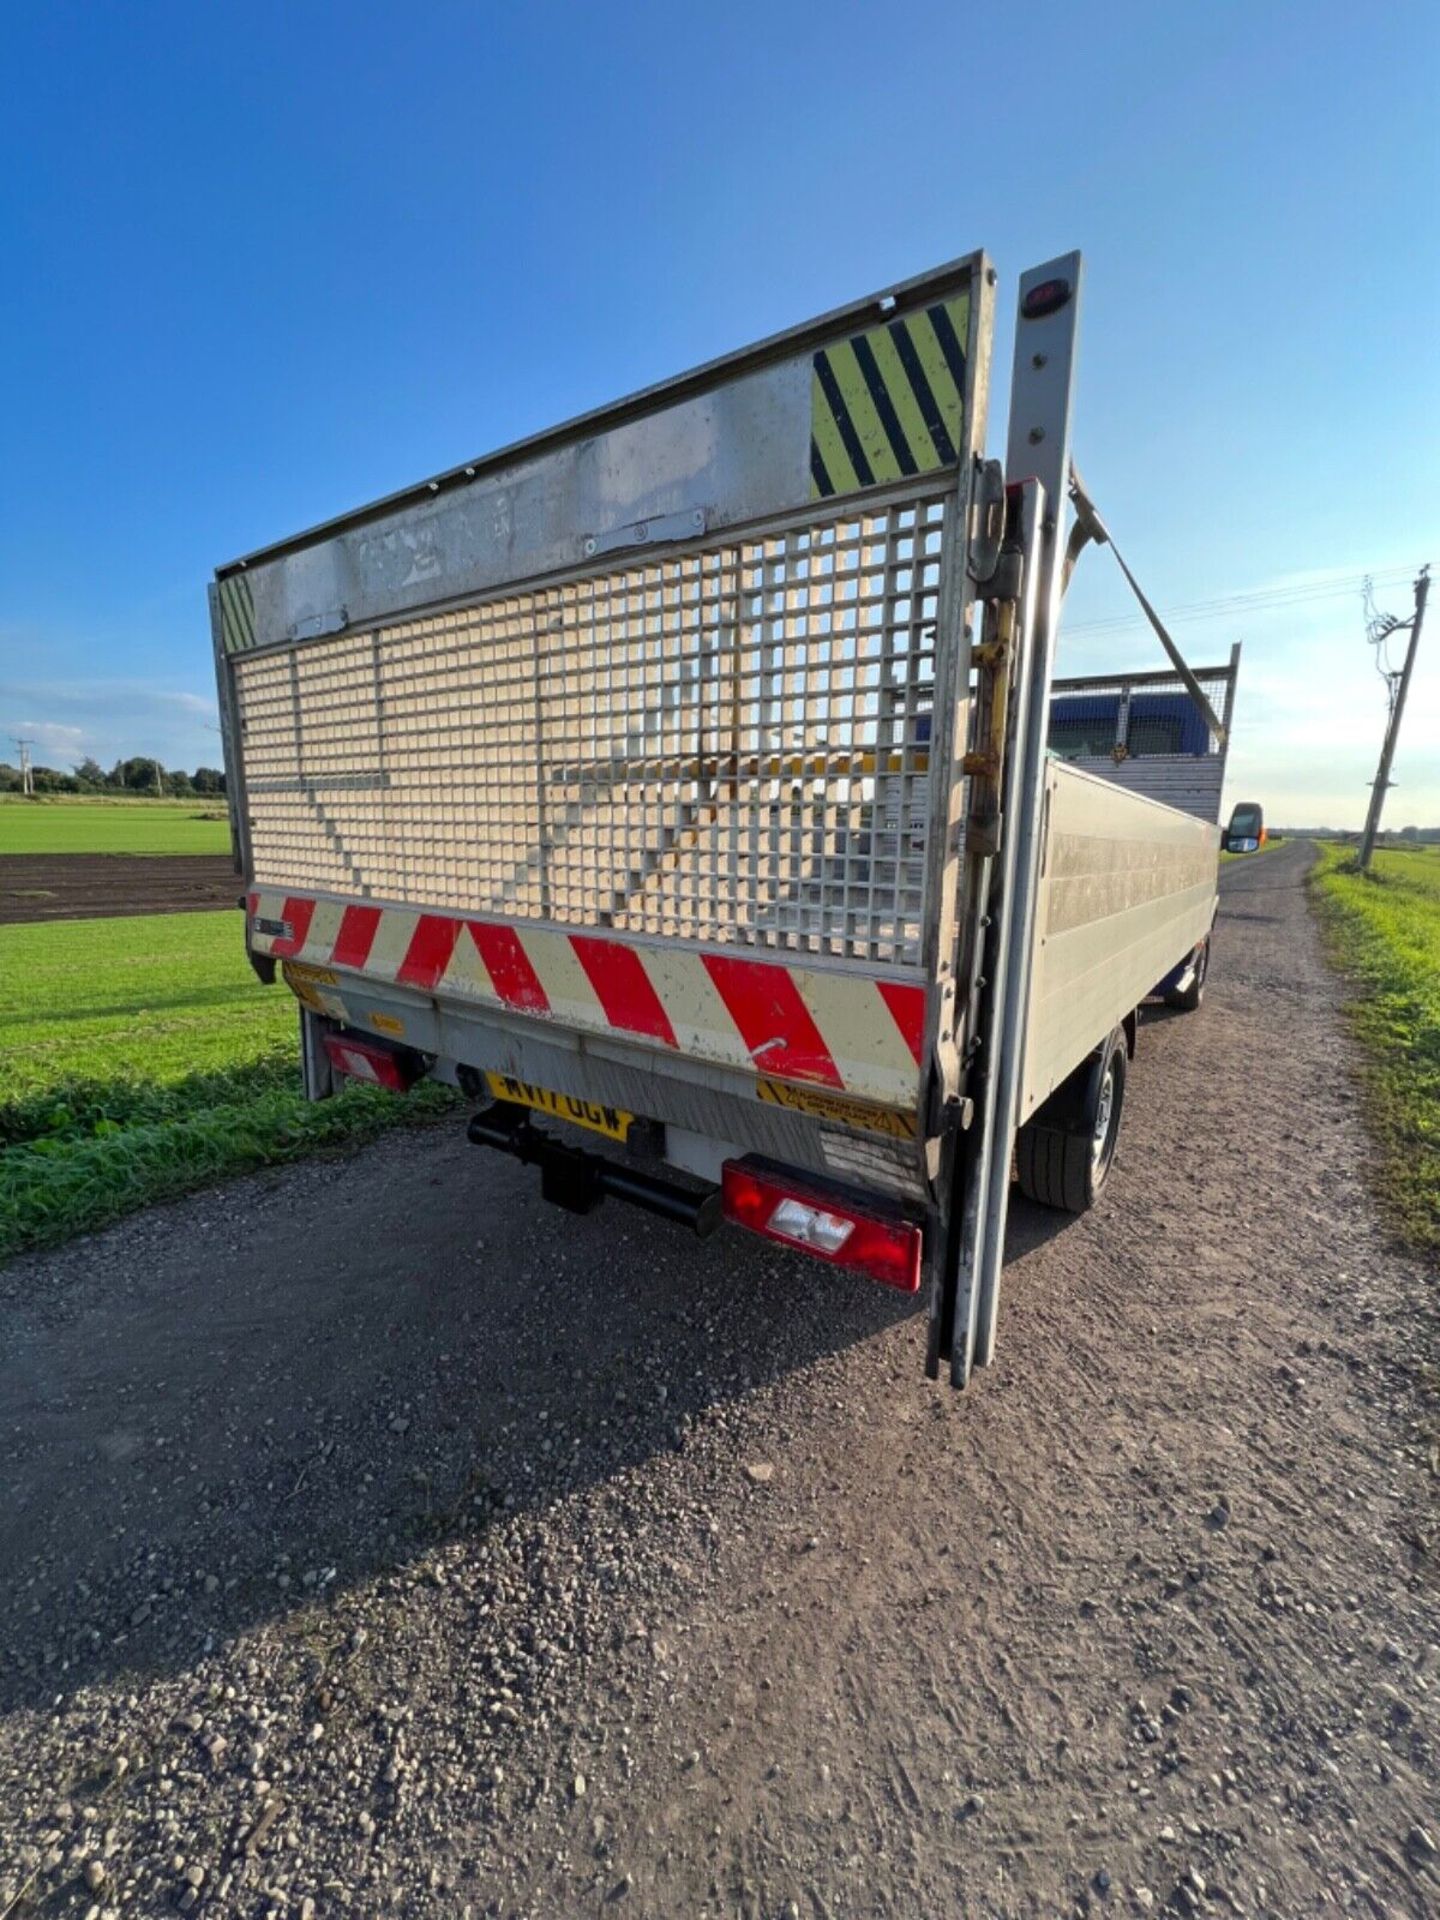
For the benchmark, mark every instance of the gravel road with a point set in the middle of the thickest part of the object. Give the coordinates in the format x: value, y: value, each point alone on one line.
x: 379, y: 1541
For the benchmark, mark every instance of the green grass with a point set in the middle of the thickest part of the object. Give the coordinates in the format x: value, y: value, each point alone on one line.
x: 1384, y: 932
x: 113, y: 826
x: 140, y: 1059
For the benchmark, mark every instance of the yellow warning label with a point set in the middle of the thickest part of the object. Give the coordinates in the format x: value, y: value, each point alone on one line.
x: 308, y: 985
x: 890, y: 402
x: 297, y: 970
x: 838, y: 1107
x: 613, y: 1122
x: 387, y: 1023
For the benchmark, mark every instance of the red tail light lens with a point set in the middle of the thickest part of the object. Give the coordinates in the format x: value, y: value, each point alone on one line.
x: 787, y: 1207
x: 1048, y: 297
x: 372, y: 1061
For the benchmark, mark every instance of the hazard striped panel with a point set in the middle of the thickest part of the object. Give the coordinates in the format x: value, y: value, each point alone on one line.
x: 840, y: 1030
x: 889, y: 403
x: 237, y: 613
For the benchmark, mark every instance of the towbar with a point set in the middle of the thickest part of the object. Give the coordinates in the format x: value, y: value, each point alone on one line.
x: 579, y: 1181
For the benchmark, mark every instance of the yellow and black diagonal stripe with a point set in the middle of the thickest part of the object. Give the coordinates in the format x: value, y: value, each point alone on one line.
x: 237, y: 614
x: 890, y: 402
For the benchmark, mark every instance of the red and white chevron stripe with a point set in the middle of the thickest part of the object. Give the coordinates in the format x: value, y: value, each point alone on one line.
x: 843, y: 1030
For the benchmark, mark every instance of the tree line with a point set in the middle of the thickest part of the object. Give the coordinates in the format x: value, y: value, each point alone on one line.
x: 136, y: 777
x: 1389, y: 836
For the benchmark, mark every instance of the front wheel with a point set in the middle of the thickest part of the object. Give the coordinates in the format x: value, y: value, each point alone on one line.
x: 1064, y: 1155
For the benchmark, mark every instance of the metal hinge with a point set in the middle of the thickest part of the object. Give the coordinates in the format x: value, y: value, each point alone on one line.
x: 647, y: 533
x: 1006, y: 576
x: 314, y: 625
x: 987, y: 520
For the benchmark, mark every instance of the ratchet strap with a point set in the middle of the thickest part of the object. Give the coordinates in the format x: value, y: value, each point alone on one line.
x: 1089, y: 526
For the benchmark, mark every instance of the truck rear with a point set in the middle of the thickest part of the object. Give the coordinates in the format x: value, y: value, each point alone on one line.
x: 675, y: 784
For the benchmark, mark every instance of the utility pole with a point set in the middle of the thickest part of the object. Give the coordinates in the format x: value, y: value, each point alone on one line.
x: 1397, y: 710
x: 27, y: 777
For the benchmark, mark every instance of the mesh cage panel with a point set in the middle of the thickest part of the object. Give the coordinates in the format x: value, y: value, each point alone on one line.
x: 723, y: 745
x: 1146, y: 713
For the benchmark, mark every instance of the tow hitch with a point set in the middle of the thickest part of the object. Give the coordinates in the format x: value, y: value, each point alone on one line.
x: 579, y: 1181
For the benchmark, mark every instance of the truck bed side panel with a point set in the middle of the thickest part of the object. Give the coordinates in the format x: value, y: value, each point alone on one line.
x: 1128, y: 889
x: 1190, y: 782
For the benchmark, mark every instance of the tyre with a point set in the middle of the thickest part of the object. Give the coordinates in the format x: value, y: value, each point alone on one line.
x: 1189, y: 1000
x: 1064, y: 1155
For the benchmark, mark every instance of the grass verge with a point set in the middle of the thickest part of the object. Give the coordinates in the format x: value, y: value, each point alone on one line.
x: 113, y: 826
x: 1384, y: 933
x: 140, y: 1059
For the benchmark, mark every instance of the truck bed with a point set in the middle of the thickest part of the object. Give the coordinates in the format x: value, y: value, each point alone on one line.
x: 679, y: 772
x: 1127, y: 886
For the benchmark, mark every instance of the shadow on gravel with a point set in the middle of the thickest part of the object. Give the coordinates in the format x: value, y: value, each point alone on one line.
x: 1029, y: 1226
x: 232, y: 1409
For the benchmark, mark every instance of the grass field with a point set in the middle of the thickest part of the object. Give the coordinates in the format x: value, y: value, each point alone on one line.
x: 1384, y: 932
x: 113, y: 826
x: 140, y: 1058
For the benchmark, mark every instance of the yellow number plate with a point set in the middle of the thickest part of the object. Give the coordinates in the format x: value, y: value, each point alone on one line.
x: 611, y: 1121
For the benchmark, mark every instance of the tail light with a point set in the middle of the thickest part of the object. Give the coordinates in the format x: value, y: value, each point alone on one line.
x: 822, y: 1220
x: 1048, y: 297
x: 373, y: 1061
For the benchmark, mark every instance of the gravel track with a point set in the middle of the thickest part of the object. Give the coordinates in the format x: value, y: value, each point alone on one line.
x: 382, y: 1542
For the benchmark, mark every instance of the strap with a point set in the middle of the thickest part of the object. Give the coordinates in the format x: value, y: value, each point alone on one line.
x: 1089, y: 526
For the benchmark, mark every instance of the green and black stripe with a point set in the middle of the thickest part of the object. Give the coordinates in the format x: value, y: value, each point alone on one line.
x: 237, y: 613
x: 889, y: 403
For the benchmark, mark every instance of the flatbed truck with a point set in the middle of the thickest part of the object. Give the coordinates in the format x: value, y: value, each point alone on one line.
x: 675, y: 783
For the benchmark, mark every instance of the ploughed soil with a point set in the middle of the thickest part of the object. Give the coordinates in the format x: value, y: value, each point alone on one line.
x: 86, y: 886
x: 378, y: 1541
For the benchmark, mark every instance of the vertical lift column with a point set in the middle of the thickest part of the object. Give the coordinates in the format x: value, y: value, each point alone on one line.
x: 966, y: 1297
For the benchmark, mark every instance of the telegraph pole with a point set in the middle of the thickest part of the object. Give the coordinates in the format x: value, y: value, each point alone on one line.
x: 1392, y: 730
x: 27, y: 778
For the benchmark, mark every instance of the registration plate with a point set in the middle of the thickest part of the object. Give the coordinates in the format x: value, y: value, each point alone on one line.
x: 613, y: 1122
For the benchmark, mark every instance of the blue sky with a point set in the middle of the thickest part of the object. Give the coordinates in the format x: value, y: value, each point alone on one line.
x: 266, y: 262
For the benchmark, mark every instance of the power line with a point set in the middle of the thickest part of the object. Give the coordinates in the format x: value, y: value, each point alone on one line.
x: 1228, y: 605
x: 1257, y: 600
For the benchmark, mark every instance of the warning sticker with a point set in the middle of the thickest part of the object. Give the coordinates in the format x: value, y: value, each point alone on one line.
x: 838, y: 1107
x: 237, y: 614
x: 309, y: 984
x: 890, y: 402
x: 297, y: 971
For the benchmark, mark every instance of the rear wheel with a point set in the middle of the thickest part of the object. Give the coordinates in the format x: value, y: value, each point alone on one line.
x: 1063, y: 1157
x: 1189, y: 998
